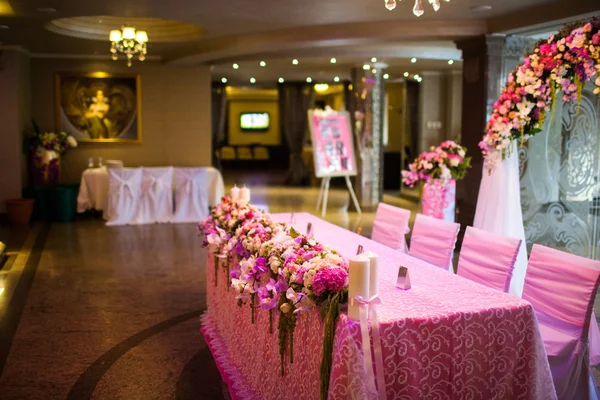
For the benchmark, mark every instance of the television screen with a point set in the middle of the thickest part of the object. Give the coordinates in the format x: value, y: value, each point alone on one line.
x: 254, y: 121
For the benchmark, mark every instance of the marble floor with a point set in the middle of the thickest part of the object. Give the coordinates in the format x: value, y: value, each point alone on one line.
x: 92, y: 312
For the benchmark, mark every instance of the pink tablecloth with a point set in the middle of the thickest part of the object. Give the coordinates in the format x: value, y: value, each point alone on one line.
x: 446, y: 338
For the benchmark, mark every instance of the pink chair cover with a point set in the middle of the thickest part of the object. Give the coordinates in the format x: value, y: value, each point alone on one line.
x: 390, y: 226
x: 562, y: 288
x: 433, y: 240
x: 488, y: 258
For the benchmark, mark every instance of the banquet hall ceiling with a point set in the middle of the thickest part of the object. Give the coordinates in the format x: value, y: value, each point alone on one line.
x: 242, y: 29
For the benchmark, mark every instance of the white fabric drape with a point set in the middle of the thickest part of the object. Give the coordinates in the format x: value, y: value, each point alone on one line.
x: 499, y: 210
x: 191, y: 198
x: 125, y: 186
x: 157, y: 196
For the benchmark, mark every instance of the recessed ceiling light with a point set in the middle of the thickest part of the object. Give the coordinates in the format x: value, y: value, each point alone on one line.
x: 386, y: 76
x: 336, y: 79
x: 235, y: 66
x: 252, y: 80
x: 263, y: 64
x: 309, y: 79
x: 224, y: 80
x: 281, y: 80
x: 374, y: 59
x: 295, y: 61
x: 413, y: 60
x: 450, y: 62
x: 3, y: 27
x: 333, y: 60
x: 481, y: 8
x: 406, y: 74
x: 321, y: 87
x: 373, y: 70
x: 366, y: 67
x: 47, y: 10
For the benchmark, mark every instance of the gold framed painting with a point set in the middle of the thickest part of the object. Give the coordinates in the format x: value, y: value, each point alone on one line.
x: 99, y: 107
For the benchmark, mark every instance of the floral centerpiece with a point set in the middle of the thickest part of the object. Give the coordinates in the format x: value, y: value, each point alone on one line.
x: 45, y: 150
x: 285, y: 271
x: 564, y: 62
x: 445, y: 162
x: 436, y: 171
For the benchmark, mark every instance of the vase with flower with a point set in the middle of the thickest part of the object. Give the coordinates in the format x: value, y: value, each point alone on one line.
x: 436, y: 172
x: 45, y: 150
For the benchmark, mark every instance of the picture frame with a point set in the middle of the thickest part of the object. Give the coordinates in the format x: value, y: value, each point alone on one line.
x: 99, y: 107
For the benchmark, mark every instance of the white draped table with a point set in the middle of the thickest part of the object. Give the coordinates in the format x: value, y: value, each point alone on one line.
x: 93, y: 191
x: 446, y: 338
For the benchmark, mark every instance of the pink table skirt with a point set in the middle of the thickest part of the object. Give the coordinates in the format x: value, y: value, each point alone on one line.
x: 446, y: 338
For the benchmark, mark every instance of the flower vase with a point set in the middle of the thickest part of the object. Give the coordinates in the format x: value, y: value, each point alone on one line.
x: 45, y: 167
x: 438, y: 199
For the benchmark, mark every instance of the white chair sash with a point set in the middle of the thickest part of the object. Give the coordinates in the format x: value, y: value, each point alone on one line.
x: 125, y: 187
x: 191, y: 195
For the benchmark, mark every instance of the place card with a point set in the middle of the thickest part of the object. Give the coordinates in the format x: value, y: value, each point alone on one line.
x: 403, y: 281
x: 309, y: 229
x: 360, y: 249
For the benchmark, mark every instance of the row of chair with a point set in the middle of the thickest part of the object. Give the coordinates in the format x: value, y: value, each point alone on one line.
x: 561, y: 287
x: 145, y: 195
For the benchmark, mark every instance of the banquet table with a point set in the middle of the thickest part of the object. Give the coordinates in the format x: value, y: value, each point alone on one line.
x: 445, y: 338
x: 93, y: 191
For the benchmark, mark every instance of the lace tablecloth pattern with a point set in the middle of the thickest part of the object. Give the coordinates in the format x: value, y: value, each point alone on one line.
x: 446, y: 338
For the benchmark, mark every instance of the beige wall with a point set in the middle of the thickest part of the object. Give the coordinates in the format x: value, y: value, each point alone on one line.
x: 396, y: 122
x: 175, y: 114
x: 15, y: 114
x: 432, y: 110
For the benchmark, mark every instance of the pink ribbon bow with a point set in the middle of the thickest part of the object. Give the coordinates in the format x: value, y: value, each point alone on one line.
x: 368, y: 307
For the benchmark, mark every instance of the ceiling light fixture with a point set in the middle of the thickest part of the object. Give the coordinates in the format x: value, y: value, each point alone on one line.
x: 450, y: 62
x: 263, y: 64
x: 386, y: 76
x: 374, y: 59
x: 366, y: 67
x: 333, y: 60
x: 406, y: 74
x: 224, y: 80
x: 390, y: 4
x: 235, y: 66
x: 336, y: 79
x: 130, y: 42
x: 252, y: 80
x: 418, y: 9
x: 309, y: 79
x: 374, y: 70
x: 295, y: 61
x: 281, y: 80
x: 413, y: 60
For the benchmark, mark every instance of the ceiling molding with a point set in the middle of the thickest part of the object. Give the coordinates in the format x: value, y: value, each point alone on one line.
x: 85, y: 56
x: 326, y: 36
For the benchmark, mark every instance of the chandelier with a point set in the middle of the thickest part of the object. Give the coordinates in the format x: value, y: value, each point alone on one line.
x: 418, y: 8
x: 130, y: 42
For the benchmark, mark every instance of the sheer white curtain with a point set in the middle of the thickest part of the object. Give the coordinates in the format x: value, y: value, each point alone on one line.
x: 499, y: 210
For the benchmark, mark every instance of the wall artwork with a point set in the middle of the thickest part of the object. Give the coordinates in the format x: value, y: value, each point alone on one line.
x: 99, y: 107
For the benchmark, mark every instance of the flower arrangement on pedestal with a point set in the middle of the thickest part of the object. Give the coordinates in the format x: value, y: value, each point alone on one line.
x: 437, y: 170
x: 45, y: 151
x: 279, y: 269
x: 564, y: 62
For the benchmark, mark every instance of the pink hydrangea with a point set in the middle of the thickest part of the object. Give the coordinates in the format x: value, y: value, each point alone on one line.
x: 329, y: 280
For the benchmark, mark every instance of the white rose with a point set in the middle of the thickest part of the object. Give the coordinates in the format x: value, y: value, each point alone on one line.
x: 454, y: 162
x: 461, y: 153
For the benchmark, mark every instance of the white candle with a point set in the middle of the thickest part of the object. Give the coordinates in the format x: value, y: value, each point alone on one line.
x: 358, y: 285
x: 245, y: 194
x: 373, y: 273
x: 235, y: 193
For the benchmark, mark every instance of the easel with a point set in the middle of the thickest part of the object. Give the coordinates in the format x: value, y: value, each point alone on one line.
x: 324, y: 194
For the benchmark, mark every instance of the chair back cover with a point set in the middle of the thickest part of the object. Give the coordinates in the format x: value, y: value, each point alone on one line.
x: 433, y: 240
x: 124, y: 190
x: 391, y: 226
x: 488, y: 258
x: 157, y: 195
x: 562, y: 288
x: 191, y: 197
